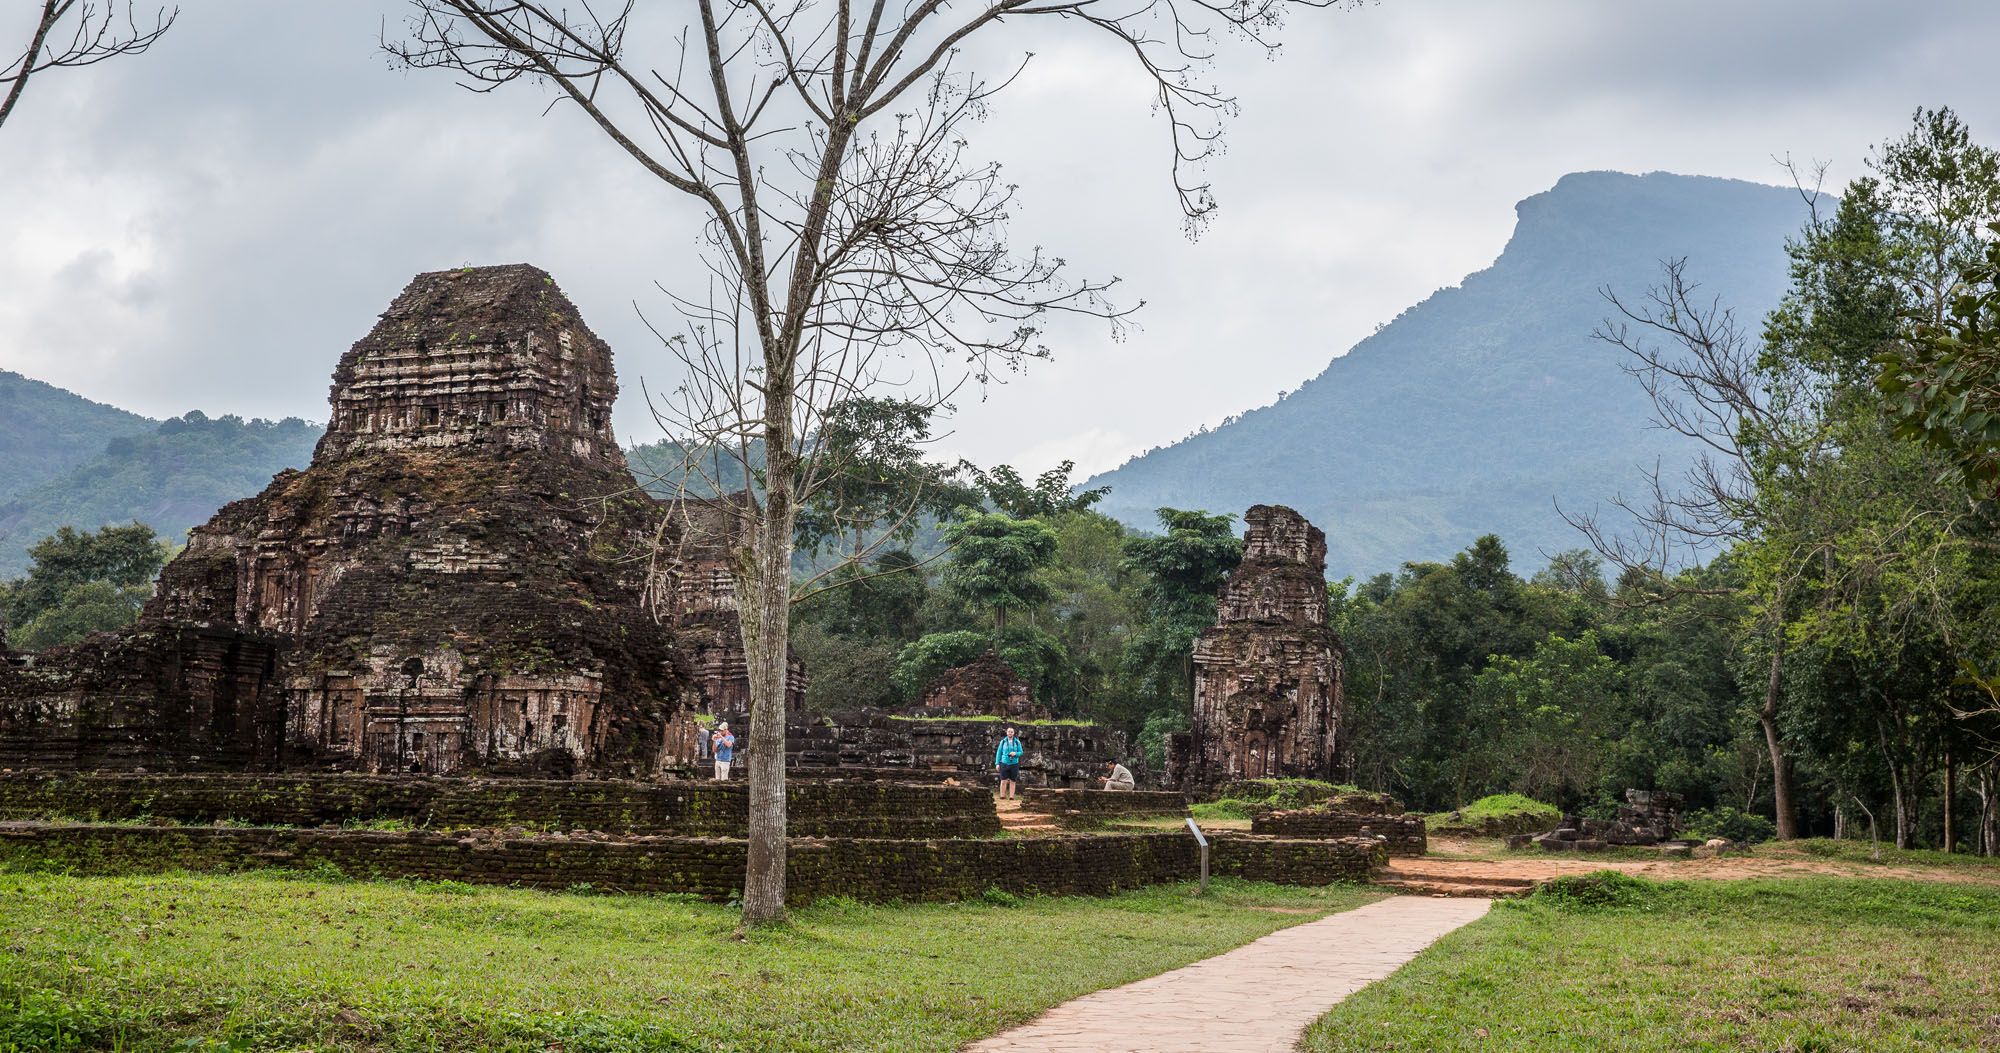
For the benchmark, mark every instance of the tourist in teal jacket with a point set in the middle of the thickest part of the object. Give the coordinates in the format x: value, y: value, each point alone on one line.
x: 1007, y: 758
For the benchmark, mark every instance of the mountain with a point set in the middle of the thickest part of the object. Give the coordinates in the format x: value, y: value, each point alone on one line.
x: 170, y: 477
x: 45, y: 431
x: 1477, y: 410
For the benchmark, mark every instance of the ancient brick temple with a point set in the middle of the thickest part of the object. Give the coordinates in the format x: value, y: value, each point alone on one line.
x: 455, y: 584
x: 1267, y: 675
x: 985, y: 686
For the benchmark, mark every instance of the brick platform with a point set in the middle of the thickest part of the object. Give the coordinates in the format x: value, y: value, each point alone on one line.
x: 1082, y: 809
x: 875, y: 870
x: 1405, y: 833
x: 687, y: 808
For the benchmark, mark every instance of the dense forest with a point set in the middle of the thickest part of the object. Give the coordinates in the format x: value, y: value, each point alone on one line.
x: 170, y: 475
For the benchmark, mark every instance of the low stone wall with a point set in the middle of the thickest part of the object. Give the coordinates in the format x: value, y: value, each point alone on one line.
x: 1081, y: 809
x: 874, y: 870
x: 1056, y: 755
x: 1405, y: 833
x: 688, y: 809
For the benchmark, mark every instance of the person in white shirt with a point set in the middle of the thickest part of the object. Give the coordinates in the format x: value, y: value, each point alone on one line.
x: 1117, y: 777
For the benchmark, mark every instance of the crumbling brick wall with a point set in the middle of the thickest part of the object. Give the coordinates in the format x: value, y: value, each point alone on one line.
x: 1077, y: 809
x: 1405, y: 834
x: 691, y: 809
x: 1057, y: 755
x: 865, y: 869
x: 985, y: 686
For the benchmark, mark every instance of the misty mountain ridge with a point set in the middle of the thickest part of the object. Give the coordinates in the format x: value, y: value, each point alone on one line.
x: 1481, y: 408
x: 101, y: 466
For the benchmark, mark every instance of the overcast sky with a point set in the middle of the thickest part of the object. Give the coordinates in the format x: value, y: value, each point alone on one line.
x: 210, y: 225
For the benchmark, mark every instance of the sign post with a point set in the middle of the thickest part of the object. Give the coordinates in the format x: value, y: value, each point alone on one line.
x: 1203, y: 842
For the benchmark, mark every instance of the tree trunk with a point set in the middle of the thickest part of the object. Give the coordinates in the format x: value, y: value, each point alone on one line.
x: 1781, y: 769
x: 766, y: 620
x: 1899, y: 800
x: 1950, y: 791
x: 1989, y: 812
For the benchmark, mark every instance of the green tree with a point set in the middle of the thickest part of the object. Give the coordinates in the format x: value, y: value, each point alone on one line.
x: 1550, y: 717
x: 1181, y: 572
x: 996, y: 562
x: 80, y: 583
x: 1049, y: 496
x: 869, y: 482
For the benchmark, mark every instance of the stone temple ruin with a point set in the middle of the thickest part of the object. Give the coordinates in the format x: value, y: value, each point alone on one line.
x: 1648, y: 817
x: 455, y: 583
x: 987, y: 685
x: 1268, y: 674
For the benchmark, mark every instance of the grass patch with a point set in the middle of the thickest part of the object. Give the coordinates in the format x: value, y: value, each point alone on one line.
x: 1865, y: 852
x: 263, y: 961
x: 1242, y: 799
x: 1612, y: 962
x: 1009, y: 721
x: 1502, y: 813
x: 1176, y: 824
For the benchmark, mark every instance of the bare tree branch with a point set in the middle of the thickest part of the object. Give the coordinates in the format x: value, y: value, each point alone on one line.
x: 96, y: 33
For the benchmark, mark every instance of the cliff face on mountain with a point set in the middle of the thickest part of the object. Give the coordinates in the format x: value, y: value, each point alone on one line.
x: 1479, y: 409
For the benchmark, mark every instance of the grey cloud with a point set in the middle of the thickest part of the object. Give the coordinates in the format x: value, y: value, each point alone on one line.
x: 209, y: 225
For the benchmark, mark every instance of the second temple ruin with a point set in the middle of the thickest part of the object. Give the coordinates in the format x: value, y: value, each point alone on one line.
x: 1268, y: 674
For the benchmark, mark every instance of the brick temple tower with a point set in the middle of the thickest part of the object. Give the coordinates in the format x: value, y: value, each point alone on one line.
x: 457, y: 583
x: 1267, y: 675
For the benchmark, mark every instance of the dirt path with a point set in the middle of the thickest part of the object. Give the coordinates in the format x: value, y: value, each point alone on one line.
x: 1480, y: 861
x: 1258, y: 998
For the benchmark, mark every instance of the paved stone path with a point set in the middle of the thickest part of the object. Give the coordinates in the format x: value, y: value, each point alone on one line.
x: 1257, y: 998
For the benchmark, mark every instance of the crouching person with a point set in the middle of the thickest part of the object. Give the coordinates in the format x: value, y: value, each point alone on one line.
x: 1116, y: 776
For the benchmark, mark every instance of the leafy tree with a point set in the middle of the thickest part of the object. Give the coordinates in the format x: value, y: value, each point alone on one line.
x: 1550, y: 717
x: 996, y: 560
x: 1416, y: 643
x: 874, y: 483
x: 79, y: 583
x: 1181, y: 571
x: 1049, y: 496
x: 1944, y: 386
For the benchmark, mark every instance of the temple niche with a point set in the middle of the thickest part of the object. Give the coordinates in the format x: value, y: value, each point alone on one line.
x: 457, y: 583
x: 1267, y: 675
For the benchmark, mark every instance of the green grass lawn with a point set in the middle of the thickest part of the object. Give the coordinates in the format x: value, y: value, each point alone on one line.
x: 1783, y: 964
x: 1503, y: 812
x: 268, y: 961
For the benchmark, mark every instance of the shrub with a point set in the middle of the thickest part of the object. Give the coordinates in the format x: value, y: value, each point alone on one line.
x: 1603, y: 890
x: 1729, y: 823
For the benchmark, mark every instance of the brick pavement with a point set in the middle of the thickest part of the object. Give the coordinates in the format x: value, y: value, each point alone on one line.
x: 1258, y: 998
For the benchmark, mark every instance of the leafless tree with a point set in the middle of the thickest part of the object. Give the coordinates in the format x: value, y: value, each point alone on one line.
x: 854, y: 243
x: 1755, y: 432
x: 70, y: 33
x: 1816, y: 522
